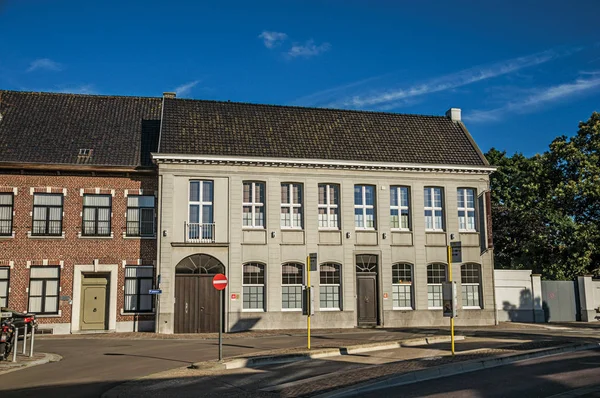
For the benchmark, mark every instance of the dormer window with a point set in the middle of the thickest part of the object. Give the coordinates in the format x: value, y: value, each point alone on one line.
x: 85, y: 152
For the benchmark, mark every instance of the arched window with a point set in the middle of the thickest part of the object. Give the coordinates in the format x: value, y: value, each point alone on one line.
x: 254, y: 286
x: 470, y: 278
x: 402, y: 280
x: 330, y: 287
x: 292, y: 277
x: 436, y: 274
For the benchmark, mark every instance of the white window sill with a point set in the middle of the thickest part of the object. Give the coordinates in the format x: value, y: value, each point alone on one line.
x: 329, y: 309
x: 358, y: 229
x: 467, y: 231
x: 248, y: 228
x: 30, y: 236
x: 435, y: 230
x: 80, y: 236
x: 434, y: 308
x: 253, y: 310
x: 139, y: 237
x: 136, y: 313
x: 400, y: 230
x: 403, y: 309
x: 8, y: 236
x: 472, y: 308
x: 291, y: 228
x: 329, y: 229
x: 291, y: 309
x: 49, y: 315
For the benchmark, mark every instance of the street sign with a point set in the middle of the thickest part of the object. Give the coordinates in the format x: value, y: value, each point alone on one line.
x: 456, y: 252
x: 220, y: 281
x: 154, y: 291
x: 313, y: 261
x: 449, y: 299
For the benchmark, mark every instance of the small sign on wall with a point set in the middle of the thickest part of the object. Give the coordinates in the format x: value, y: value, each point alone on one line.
x: 234, y: 296
x: 65, y: 298
x: 385, y: 296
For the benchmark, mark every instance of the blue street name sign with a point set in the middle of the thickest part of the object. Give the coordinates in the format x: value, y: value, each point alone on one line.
x: 155, y: 291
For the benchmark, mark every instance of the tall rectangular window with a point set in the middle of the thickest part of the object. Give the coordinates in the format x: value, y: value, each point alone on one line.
x: 364, y: 206
x: 436, y: 274
x: 292, y: 277
x: 253, y: 285
x: 466, y: 209
x: 291, y: 205
x: 43, y: 290
x: 330, y: 286
x: 96, y: 215
x: 47, y: 214
x: 201, y: 221
x: 434, y: 209
x: 6, y: 213
x: 402, y: 286
x: 138, y: 283
x: 400, y: 208
x: 254, y: 205
x: 140, y: 215
x: 4, y: 284
x: 329, y: 201
x: 470, y: 282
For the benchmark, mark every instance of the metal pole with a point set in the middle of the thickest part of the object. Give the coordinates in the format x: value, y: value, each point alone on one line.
x: 25, y: 339
x: 32, y: 340
x: 15, y: 344
x: 221, y: 325
x: 308, y: 298
x: 450, y: 280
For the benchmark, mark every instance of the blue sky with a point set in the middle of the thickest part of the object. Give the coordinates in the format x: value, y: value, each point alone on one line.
x: 523, y: 72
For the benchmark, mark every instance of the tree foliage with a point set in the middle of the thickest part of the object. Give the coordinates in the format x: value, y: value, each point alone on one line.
x: 546, y: 208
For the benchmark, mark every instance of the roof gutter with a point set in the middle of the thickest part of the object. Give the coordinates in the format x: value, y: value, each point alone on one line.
x: 317, y: 163
x: 76, y: 167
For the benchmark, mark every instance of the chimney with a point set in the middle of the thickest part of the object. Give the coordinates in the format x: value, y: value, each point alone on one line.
x: 453, y: 114
x: 173, y: 95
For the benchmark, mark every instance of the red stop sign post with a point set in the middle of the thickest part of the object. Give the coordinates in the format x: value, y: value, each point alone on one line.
x: 220, y: 283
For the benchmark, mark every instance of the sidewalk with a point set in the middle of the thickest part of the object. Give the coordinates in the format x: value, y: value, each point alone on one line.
x: 24, y: 361
x: 310, y: 377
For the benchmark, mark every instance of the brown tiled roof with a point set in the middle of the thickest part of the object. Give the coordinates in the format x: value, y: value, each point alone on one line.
x: 52, y: 128
x: 241, y: 129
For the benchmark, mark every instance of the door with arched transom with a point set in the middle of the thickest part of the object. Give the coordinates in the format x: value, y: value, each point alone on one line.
x: 196, y: 300
x: 367, y: 299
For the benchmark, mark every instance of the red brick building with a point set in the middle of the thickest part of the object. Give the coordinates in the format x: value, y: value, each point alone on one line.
x: 77, y: 209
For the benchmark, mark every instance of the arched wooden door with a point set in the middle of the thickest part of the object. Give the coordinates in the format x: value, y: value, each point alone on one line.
x: 196, y: 300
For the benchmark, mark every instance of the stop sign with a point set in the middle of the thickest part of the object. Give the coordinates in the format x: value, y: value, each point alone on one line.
x: 220, y: 281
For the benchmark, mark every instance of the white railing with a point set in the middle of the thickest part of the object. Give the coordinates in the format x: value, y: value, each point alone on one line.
x: 199, y: 232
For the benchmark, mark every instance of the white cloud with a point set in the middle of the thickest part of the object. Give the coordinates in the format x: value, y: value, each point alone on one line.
x: 308, y: 49
x: 82, y: 89
x: 538, y: 99
x: 44, y: 64
x: 186, y: 88
x: 272, y: 39
x: 450, y: 81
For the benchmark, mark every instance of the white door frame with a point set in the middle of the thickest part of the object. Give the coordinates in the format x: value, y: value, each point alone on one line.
x: 113, y: 270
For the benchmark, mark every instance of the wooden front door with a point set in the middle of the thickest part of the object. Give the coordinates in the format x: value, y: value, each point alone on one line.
x: 94, y: 302
x: 196, y: 304
x: 366, y: 295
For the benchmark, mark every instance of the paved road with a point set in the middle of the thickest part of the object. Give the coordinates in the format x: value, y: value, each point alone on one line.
x: 544, y: 377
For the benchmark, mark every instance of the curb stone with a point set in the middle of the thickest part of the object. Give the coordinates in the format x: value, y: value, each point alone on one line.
x: 451, y: 370
x: 46, y: 359
x: 237, y: 363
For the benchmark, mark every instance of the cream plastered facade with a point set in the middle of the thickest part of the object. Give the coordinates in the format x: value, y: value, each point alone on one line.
x: 235, y: 245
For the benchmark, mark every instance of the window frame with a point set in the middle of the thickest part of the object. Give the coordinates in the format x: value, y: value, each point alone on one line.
x: 364, y: 206
x: 290, y: 205
x: 139, y: 221
x: 399, y: 207
x: 44, y: 294
x: 95, y: 220
x: 437, y: 285
x: 338, y: 266
x: 466, y: 209
x: 138, y: 293
x: 11, y: 213
x: 296, y: 285
x: 328, y: 206
x: 7, y: 279
x: 201, y: 232
x: 433, y: 208
x: 248, y: 285
x: 253, y: 204
x: 464, y: 285
x: 47, y: 220
x: 410, y: 285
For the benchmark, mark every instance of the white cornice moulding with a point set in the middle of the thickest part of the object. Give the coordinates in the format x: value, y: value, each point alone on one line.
x: 318, y: 163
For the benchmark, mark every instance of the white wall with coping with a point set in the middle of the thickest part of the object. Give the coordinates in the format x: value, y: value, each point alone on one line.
x: 518, y: 296
x: 589, y: 298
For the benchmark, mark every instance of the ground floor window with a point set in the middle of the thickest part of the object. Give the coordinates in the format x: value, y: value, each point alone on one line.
x: 4, y: 284
x: 138, y: 283
x: 470, y: 278
x: 254, y: 286
x: 402, y: 286
x: 292, y: 277
x: 330, y: 287
x: 43, y: 290
x: 436, y: 274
